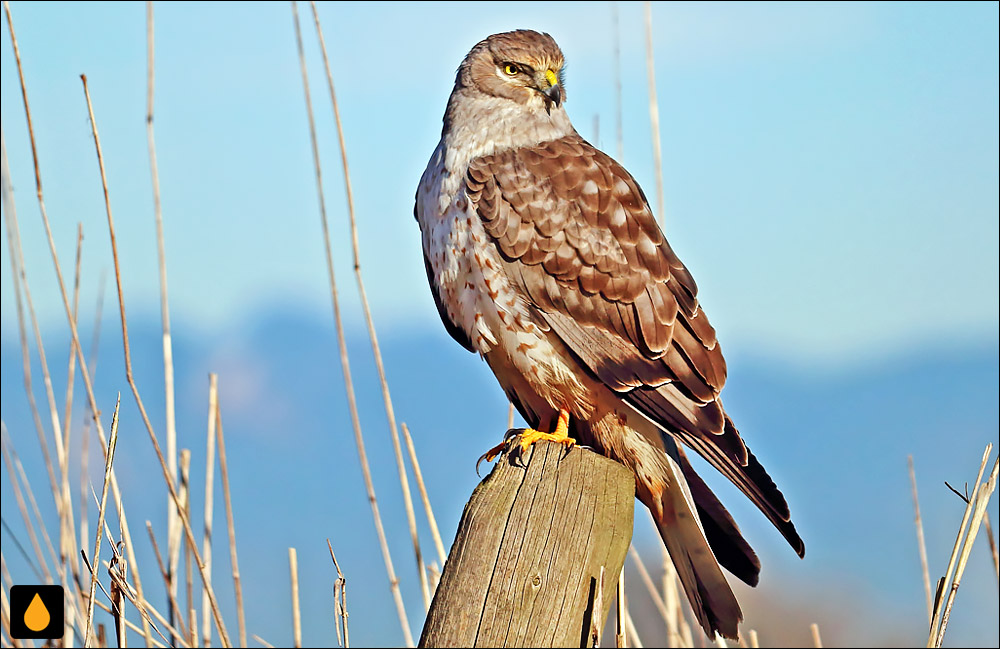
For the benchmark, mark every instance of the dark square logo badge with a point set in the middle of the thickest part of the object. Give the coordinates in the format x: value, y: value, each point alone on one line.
x: 36, y: 612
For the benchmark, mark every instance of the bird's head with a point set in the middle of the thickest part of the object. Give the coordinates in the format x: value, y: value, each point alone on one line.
x: 523, y: 66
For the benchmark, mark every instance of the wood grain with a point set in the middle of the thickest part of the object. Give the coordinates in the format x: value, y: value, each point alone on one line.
x: 529, y: 549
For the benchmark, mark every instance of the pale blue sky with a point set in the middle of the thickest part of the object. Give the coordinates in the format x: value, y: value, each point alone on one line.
x: 830, y: 169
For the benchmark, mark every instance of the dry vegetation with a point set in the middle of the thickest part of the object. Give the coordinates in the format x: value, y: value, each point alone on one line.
x: 92, y: 548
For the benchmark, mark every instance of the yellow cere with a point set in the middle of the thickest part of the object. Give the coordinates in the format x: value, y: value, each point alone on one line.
x: 551, y: 77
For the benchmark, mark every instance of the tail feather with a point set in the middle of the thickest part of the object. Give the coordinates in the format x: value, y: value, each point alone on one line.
x: 723, y: 535
x: 673, y: 510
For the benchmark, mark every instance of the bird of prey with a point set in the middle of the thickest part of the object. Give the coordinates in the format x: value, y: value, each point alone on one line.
x: 543, y: 256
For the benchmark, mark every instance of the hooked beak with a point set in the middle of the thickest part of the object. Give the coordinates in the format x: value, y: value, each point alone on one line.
x: 548, y: 85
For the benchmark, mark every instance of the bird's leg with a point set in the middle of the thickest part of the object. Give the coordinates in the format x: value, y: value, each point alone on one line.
x: 560, y: 435
x: 529, y: 436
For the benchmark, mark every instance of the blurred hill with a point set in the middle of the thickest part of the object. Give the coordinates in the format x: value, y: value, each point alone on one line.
x: 835, y: 441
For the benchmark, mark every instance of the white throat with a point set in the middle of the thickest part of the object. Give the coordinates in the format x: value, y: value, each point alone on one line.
x: 483, y: 125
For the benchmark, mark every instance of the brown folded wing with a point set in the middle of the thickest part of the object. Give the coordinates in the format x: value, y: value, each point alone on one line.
x: 576, y: 234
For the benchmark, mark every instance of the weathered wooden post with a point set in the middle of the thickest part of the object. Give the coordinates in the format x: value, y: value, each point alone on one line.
x: 526, y: 562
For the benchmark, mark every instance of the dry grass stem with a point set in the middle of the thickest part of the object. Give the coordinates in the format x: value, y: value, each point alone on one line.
x: 206, y: 551
x: 44, y: 573
x: 262, y: 641
x: 814, y: 632
x: 390, y: 414
x: 993, y: 545
x: 969, y: 528
x: 431, y: 521
x: 173, y: 523
x: 619, y: 130
x: 345, y: 362
x: 192, y: 544
x: 596, y: 623
x: 654, y: 114
x: 100, y: 521
x: 921, y: 546
x: 633, y: 635
x: 620, y: 637
x: 340, y: 602
x: 752, y: 641
x: 653, y: 593
x: 231, y: 528
x: 88, y: 384
x: 293, y: 568
x: 20, y: 278
x: 176, y: 611
x: 184, y: 467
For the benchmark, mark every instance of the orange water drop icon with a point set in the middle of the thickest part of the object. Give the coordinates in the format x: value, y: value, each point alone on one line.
x: 37, y: 616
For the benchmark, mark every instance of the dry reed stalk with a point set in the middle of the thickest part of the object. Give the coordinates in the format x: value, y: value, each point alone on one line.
x: 633, y: 635
x: 88, y: 384
x: 262, y: 641
x: 596, y: 623
x: 66, y: 524
x: 433, y: 575
x: 340, y: 600
x: 32, y: 536
x: 619, y: 131
x: 921, y: 546
x: 752, y: 639
x: 814, y: 632
x: 131, y: 625
x: 390, y: 414
x: 418, y: 475
x: 19, y: 275
x: 85, y: 432
x: 231, y: 527
x: 72, y: 613
x: 973, y: 516
x: 173, y: 524
x: 188, y: 531
x: 206, y: 552
x: 654, y: 114
x: 174, y: 608
x: 184, y: 467
x: 673, y: 638
x: 345, y: 362
x: 100, y: 521
x: 293, y: 568
x: 71, y: 363
x: 993, y: 545
x: 620, y: 638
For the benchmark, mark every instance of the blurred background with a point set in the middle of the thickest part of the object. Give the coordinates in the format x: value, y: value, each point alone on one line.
x: 830, y: 178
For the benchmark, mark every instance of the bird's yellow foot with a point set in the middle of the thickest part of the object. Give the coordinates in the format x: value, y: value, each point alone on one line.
x: 529, y: 436
x: 560, y: 435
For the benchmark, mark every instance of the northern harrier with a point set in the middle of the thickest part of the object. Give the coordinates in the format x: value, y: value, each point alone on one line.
x: 544, y: 257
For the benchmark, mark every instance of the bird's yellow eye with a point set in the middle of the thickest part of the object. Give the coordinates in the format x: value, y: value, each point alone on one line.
x: 510, y: 69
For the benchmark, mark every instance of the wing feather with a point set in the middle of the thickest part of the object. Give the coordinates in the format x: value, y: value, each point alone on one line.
x: 575, y: 232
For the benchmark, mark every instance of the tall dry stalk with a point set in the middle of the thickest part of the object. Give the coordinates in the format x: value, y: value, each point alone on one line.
x: 85, y: 375
x: 619, y: 129
x: 341, y: 341
x: 206, y: 548
x: 654, y: 114
x: 110, y: 455
x: 189, y: 533
x: 293, y: 569
x: 231, y: 528
x: 921, y: 546
x: 972, y: 519
x: 173, y: 524
x: 369, y: 321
